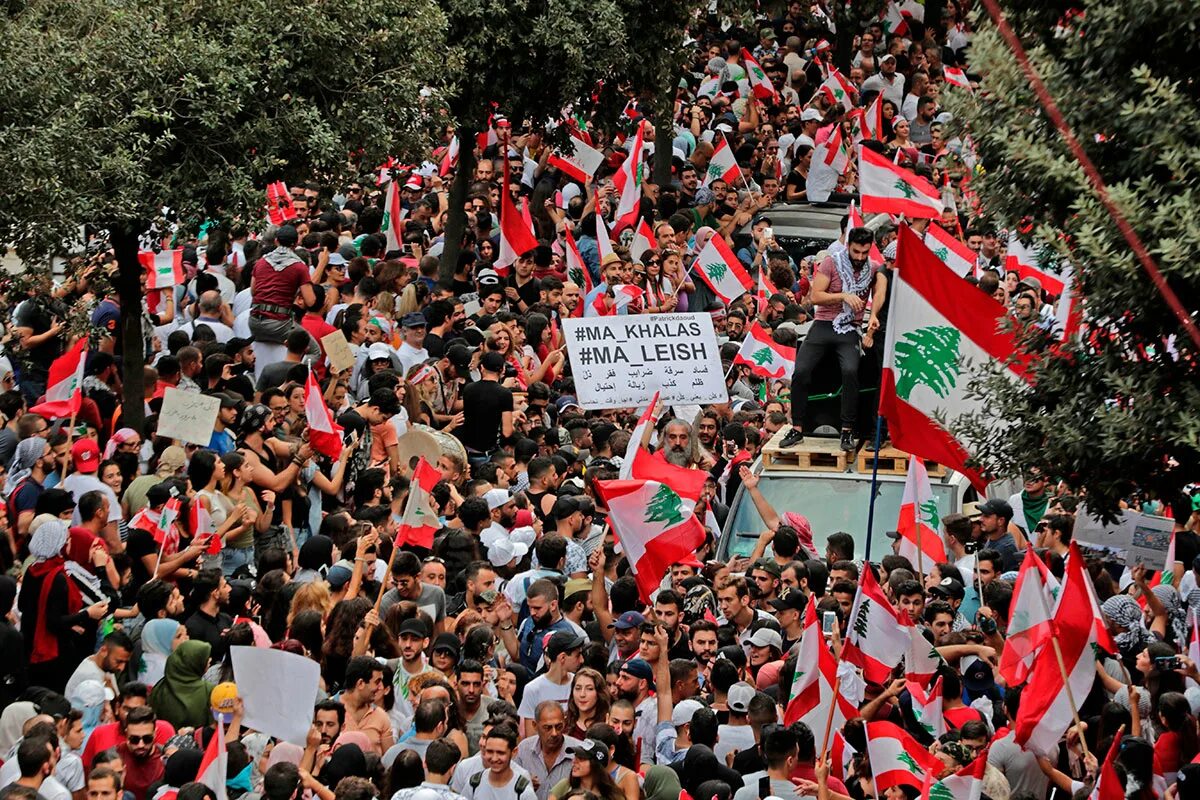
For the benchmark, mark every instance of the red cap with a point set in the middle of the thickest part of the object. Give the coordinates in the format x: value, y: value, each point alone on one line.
x: 85, y: 454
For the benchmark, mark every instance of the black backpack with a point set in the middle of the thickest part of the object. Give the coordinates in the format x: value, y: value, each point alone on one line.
x: 520, y: 787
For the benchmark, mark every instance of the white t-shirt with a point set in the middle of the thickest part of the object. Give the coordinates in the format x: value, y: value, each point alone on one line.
x: 731, y: 738
x: 541, y: 689
x: 52, y: 788
x: 79, y: 484
x: 506, y: 792
x: 473, y: 765
x: 88, y: 670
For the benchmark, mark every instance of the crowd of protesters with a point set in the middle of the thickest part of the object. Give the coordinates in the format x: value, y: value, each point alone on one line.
x: 516, y: 658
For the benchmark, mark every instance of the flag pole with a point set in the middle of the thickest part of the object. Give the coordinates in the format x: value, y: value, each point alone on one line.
x: 1062, y: 669
x: 379, y: 596
x: 875, y: 485
x: 837, y: 690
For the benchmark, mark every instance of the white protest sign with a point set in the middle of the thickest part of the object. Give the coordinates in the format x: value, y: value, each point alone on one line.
x: 1134, y: 537
x: 278, y: 689
x: 620, y: 362
x: 338, y: 351
x: 1150, y: 541
x: 188, y: 416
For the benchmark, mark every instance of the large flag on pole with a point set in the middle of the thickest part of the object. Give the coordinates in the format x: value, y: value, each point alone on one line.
x: 1023, y: 260
x: 897, y: 759
x: 833, y: 153
x: 718, y: 267
x: 214, y: 766
x: 941, y: 329
x: 628, y: 182
x: 920, y: 542
x: 888, y: 188
x: 324, y: 434
x: 648, y: 418
x: 878, y: 634
x: 64, y: 386
x: 814, y: 681
x: 163, y: 269
x: 516, y: 237
x: 953, y: 253
x: 1029, y: 616
x: 577, y: 271
x: 764, y: 355
x: 760, y: 84
x: 420, y: 521
x: 722, y: 166
x: 1048, y: 703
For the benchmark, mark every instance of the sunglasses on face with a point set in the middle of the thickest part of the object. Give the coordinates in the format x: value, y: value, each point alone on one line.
x: 147, y: 739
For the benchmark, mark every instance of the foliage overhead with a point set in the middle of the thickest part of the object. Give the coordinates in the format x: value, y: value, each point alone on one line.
x: 1121, y: 409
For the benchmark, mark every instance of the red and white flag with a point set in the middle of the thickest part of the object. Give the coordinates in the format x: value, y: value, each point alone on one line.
x: 625, y: 294
x: 838, y: 89
x: 760, y: 84
x: 643, y: 240
x: 1029, y: 615
x: 280, y: 208
x: 897, y: 759
x: 718, y: 267
x: 1024, y: 261
x: 214, y: 766
x: 393, y: 218
x: 966, y: 784
x: 814, y: 681
x: 648, y: 419
x: 764, y: 355
x: 892, y: 20
x: 420, y: 521
x: 722, y: 166
x: 577, y: 271
x: 877, y: 636
x: 449, y: 158
x: 1109, y: 785
x: 956, y: 77
x: 324, y: 434
x: 653, y: 517
x: 953, y: 253
x: 628, y: 183
x: 941, y: 329
x: 921, y: 659
x: 488, y: 136
x: 1046, y: 711
x: 64, y: 386
x: 580, y: 163
x: 833, y: 152
x: 872, y: 120
x: 604, y: 245
x: 163, y: 269
x: 888, y: 188
x: 841, y: 753
x: 920, y: 542
x: 927, y: 707
x: 516, y: 237
x: 1068, y: 316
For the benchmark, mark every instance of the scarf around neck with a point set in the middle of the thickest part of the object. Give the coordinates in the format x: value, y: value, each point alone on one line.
x: 852, y: 283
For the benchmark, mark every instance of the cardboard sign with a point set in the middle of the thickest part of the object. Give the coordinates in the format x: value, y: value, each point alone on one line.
x: 188, y: 416
x: 620, y: 362
x: 338, y: 351
x: 279, y: 690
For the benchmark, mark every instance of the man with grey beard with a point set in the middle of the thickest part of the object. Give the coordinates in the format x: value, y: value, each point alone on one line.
x: 680, y: 446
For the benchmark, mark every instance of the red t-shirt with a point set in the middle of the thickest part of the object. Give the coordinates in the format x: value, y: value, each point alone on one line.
x: 109, y: 735
x: 317, y: 327
x: 278, y: 288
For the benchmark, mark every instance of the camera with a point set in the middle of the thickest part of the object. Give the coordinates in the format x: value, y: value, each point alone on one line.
x: 970, y: 547
x: 510, y: 371
x: 988, y: 625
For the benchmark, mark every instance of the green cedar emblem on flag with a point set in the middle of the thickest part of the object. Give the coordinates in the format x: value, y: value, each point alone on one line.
x: 939, y: 792
x: 908, y: 191
x: 714, y: 171
x: 928, y: 356
x: 910, y: 763
x: 763, y: 356
x: 665, y: 506
x: 864, y: 614
x: 929, y: 514
x: 716, y: 271
x: 942, y: 252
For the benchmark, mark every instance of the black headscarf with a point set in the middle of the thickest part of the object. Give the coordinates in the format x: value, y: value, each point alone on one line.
x: 347, y: 761
x: 701, y: 764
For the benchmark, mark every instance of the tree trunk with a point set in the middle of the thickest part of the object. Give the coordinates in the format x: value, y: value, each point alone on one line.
x: 456, y: 221
x: 129, y: 292
x: 846, y: 31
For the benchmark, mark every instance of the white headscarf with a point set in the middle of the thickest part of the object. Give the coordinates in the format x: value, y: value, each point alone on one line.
x: 49, y: 541
x: 28, y: 452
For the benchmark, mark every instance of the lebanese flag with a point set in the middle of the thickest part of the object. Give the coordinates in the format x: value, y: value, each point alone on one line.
x: 488, y: 136
x: 764, y: 355
x: 1068, y: 318
x: 760, y: 84
x: 1046, y: 712
x: 722, y: 166
x: 956, y: 77
x: 450, y: 158
x: 577, y: 271
x: 1194, y: 642
x: 952, y: 252
x: 896, y: 757
x: 420, y: 521
x: 655, y: 525
x: 892, y: 20
x: 718, y: 267
x: 689, y: 483
x: 280, y: 208
x: 766, y: 290
x: 215, y: 764
x: 163, y: 269
x: 393, y: 216
x: 838, y: 89
x: 833, y: 153
x: 603, y: 240
x: 919, y: 519
x: 966, y: 784
x: 1023, y: 260
x: 940, y: 330
x: 516, y: 237
x: 1028, y: 619
x: 648, y: 419
x: 872, y: 120
x: 921, y: 659
x: 625, y: 294
x: 841, y: 753
x: 201, y: 524
x: 878, y: 634
x: 628, y: 182
x: 64, y: 392
x: 581, y: 163
x: 1167, y: 575
x: 643, y: 240
x: 888, y: 188
x: 709, y: 87
x: 814, y: 681
x: 324, y: 434
x: 168, y: 531
x: 856, y: 221
x: 927, y: 708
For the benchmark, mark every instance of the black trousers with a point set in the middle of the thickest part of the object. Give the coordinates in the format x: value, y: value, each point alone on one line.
x: 819, y: 341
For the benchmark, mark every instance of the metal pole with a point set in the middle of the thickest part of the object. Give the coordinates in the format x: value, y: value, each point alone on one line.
x: 874, y: 483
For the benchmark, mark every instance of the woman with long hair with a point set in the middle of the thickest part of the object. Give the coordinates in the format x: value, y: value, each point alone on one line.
x: 340, y: 628
x: 900, y: 141
x: 625, y: 778
x: 205, y: 471
x: 238, y: 549
x: 1177, y: 743
x: 660, y: 294
x: 589, y: 771
x: 588, y: 702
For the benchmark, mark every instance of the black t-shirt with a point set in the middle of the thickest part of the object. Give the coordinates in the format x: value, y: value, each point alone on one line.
x: 530, y: 293
x: 435, y: 345
x: 1187, y: 547
x: 33, y: 315
x: 484, y: 403
x: 140, y: 543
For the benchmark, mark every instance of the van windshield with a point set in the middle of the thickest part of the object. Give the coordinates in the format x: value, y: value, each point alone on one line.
x: 831, y: 504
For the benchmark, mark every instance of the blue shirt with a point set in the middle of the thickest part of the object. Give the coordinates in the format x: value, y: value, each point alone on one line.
x: 530, y: 641
x: 222, y: 442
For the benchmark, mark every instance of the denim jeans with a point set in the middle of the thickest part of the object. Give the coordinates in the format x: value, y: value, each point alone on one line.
x: 234, y: 558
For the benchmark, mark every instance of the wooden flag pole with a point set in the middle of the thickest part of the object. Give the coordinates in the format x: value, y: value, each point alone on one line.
x: 1062, y: 669
x: 837, y: 690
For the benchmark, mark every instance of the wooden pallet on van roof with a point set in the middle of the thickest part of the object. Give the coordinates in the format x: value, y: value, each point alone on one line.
x: 814, y: 454
x: 893, y: 462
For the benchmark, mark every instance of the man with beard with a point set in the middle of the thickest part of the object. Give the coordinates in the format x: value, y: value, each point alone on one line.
x: 564, y: 652
x: 702, y: 636
x: 635, y: 683
x: 413, y: 639
x: 143, y: 762
x: 841, y: 286
x: 480, y: 577
x: 406, y: 585
x: 545, y: 755
x: 680, y: 449
x: 572, y: 296
x: 766, y: 578
x: 328, y: 718
x: 503, y: 508
x: 544, y: 618
x: 668, y: 609
x: 706, y: 430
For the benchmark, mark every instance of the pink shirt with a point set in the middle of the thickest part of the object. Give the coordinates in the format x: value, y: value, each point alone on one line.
x: 826, y: 267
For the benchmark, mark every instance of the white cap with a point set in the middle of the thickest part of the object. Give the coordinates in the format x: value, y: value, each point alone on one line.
x: 496, y: 497
x: 379, y: 350
x: 492, y: 533
x: 811, y: 114
x: 526, y: 535
x: 739, y: 697
x: 943, y: 118
x: 682, y: 713
x: 504, y: 551
x: 765, y: 637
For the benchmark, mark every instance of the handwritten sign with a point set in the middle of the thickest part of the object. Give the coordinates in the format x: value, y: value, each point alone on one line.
x: 188, y: 416
x: 338, y: 351
x: 620, y: 362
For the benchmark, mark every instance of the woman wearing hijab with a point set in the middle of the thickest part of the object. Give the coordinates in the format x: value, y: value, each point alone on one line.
x: 13, y: 679
x: 12, y: 722
x: 24, y: 485
x: 182, y: 696
x: 347, y: 761
x: 160, y: 637
x: 51, y: 605
x: 662, y: 784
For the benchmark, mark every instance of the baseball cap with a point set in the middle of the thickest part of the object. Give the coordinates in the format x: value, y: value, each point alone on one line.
x: 998, y: 507
x: 948, y: 587
x: 887, y: 57
x: 446, y: 641
x: 55, y: 501
x: 492, y: 362
x: 768, y: 565
x: 501, y: 552
x: 460, y: 356
x: 978, y: 676
x: 379, y: 351
x: 496, y: 498
x: 486, y: 276
x: 1030, y: 282
x: 85, y: 454
x: 227, y: 400
x: 567, y: 401
x: 630, y: 619
x: 892, y: 534
x: 414, y: 626
x: 765, y: 637
x: 236, y: 345
x: 253, y: 417
x: 590, y: 748
x: 793, y: 600
x: 338, y: 577
x: 767, y: 33
x: 682, y: 713
x: 337, y: 260
x: 739, y: 697
x: 564, y: 507
x: 564, y: 642
x: 414, y: 319
x: 576, y: 585
x: 639, y: 668
x: 811, y: 114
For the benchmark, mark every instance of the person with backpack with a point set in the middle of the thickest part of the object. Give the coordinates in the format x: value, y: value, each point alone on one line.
x: 499, y: 781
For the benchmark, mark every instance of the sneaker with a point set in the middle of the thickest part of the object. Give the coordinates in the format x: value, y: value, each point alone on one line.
x: 848, y: 443
x: 790, y: 439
